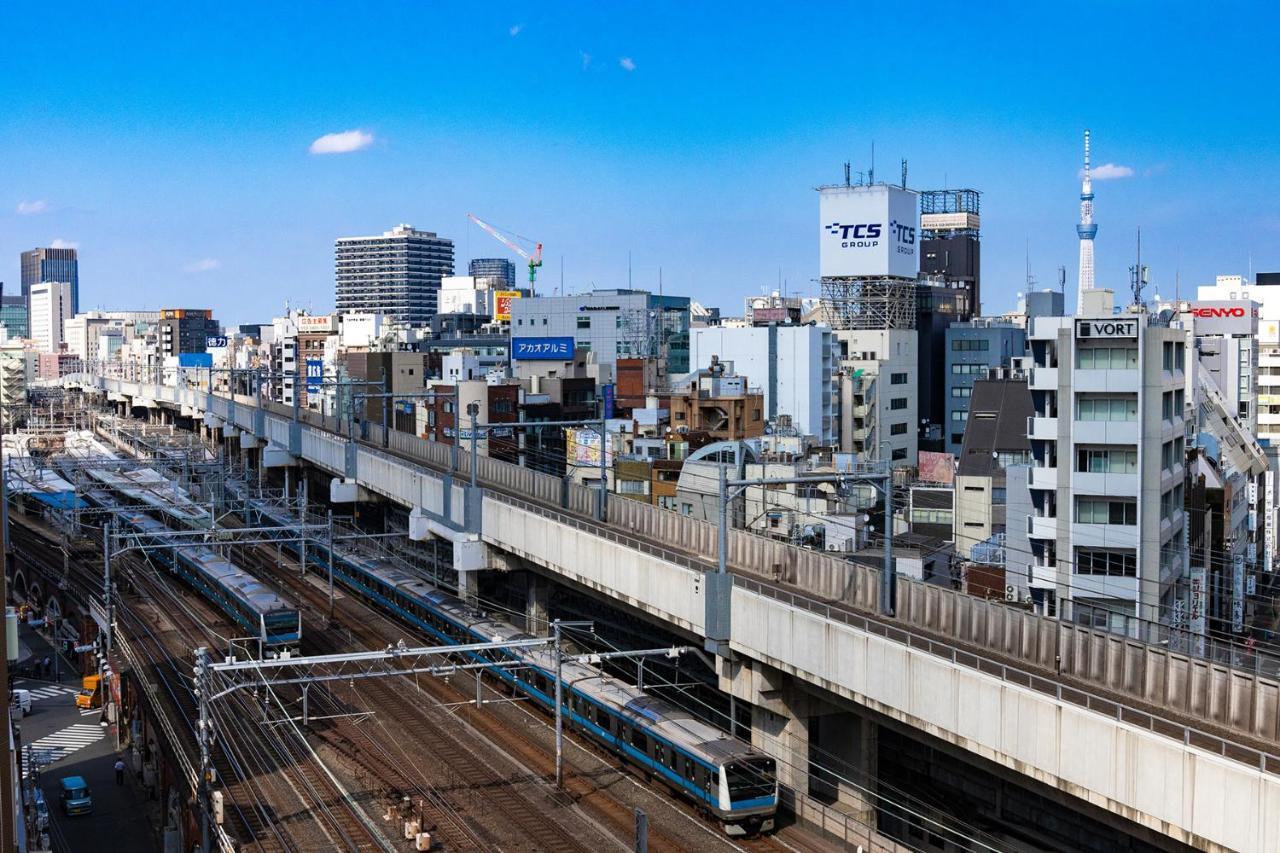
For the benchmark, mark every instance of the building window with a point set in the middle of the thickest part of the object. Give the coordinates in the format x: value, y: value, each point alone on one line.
x: 898, y: 454
x: 1107, y: 408
x: 584, y: 322
x: 1108, y: 461
x: 959, y: 414
x: 1107, y: 358
x: 898, y: 403
x: 969, y: 369
x: 965, y: 391
x: 897, y: 379
x: 1116, y: 564
x: 1104, y: 511
x: 898, y: 429
x: 963, y: 345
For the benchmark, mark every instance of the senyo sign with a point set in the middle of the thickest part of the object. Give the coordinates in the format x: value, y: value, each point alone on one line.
x: 1225, y: 317
x: 868, y: 231
x: 1118, y: 328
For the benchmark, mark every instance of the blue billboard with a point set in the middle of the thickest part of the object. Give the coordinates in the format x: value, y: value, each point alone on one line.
x: 315, y: 374
x: 542, y: 349
x: 195, y: 359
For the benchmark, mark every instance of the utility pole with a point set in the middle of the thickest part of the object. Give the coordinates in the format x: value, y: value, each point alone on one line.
x: 330, y: 565
x: 203, y: 735
x: 473, y: 410
x: 106, y: 581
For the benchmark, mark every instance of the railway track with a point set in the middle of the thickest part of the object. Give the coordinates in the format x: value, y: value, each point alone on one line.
x: 268, y: 786
x: 593, y: 790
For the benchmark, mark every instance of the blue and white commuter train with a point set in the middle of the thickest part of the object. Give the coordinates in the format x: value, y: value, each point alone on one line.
x: 263, y: 614
x: 723, y: 776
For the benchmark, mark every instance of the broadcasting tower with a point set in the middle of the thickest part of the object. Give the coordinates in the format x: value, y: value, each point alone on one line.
x: 1086, y: 229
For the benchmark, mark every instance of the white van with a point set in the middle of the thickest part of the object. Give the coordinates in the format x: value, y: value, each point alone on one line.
x: 21, y: 701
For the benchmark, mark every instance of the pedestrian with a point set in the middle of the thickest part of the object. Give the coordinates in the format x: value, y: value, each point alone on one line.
x: 119, y: 771
x: 45, y: 667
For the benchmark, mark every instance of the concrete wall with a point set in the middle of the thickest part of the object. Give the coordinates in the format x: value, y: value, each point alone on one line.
x: 1184, y: 792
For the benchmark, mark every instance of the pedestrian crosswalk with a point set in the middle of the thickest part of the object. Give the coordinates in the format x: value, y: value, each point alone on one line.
x: 60, y: 744
x: 40, y: 692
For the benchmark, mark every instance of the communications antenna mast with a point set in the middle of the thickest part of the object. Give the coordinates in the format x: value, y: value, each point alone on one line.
x: 534, y: 258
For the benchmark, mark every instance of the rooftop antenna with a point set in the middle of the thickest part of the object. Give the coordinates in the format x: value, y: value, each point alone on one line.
x: 1138, y: 274
x: 659, y: 280
x: 904, y: 173
x: 1062, y: 280
x: 871, y: 175
x: 628, y: 269
x: 847, y: 181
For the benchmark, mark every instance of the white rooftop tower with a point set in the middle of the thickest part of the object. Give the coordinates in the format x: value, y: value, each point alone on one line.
x: 1086, y: 229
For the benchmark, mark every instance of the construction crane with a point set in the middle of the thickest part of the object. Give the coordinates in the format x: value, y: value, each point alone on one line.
x: 535, y: 259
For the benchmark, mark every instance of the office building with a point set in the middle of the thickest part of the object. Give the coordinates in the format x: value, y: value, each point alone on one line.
x: 52, y: 265
x: 13, y: 316
x: 950, y: 243
x: 50, y: 309
x: 397, y: 274
x: 794, y: 366
x: 500, y: 268
x: 1108, y: 442
x: 938, y: 306
x: 606, y: 324
x: 878, y: 403
x: 185, y: 330
x: 973, y: 348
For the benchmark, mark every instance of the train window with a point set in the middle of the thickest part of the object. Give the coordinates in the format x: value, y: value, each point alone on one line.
x: 640, y: 740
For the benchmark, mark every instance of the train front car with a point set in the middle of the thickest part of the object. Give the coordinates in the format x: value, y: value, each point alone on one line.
x: 748, y: 794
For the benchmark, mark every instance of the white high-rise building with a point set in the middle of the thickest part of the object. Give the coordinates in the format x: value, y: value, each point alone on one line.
x: 50, y: 311
x: 396, y: 273
x: 1108, y: 446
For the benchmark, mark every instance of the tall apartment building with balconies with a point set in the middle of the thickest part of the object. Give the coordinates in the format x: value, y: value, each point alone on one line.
x: 396, y: 274
x: 1108, y: 442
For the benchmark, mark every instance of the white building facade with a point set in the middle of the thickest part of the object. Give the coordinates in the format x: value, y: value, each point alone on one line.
x: 1108, y: 441
x: 50, y: 311
x: 794, y: 366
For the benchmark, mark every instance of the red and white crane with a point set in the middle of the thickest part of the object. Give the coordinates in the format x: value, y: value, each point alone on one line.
x: 534, y: 258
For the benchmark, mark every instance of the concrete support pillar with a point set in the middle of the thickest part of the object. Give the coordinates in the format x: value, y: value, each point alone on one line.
x: 469, y: 587
x: 537, y: 611
x: 847, y: 748
x: 782, y: 730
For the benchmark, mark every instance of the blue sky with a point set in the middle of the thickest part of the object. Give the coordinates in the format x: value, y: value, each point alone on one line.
x: 170, y: 142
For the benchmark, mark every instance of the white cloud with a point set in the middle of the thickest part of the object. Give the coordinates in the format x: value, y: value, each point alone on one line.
x: 627, y: 63
x: 59, y: 243
x: 586, y: 59
x: 342, y: 143
x: 202, y: 265
x: 31, y: 208
x: 515, y: 29
x: 1110, y: 172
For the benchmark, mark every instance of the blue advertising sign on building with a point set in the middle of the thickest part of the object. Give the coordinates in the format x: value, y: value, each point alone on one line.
x: 315, y: 374
x: 195, y: 359
x: 542, y: 349
x: 608, y: 399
